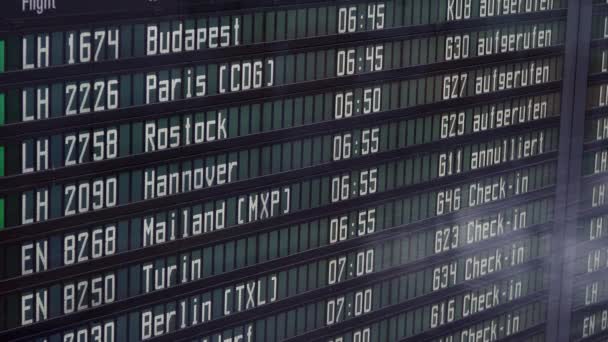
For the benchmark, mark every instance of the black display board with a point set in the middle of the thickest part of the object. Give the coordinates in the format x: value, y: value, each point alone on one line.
x: 337, y: 171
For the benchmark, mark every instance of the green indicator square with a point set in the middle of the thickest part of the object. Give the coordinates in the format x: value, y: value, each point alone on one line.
x: 1, y: 213
x: 2, y: 56
x: 1, y: 161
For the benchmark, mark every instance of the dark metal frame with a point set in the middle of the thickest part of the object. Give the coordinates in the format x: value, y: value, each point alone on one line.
x: 574, y: 96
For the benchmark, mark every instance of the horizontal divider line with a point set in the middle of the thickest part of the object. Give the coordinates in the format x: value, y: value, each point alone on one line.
x: 599, y: 337
x: 348, y: 82
x: 95, y: 71
x: 52, y: 276
x: 600, y: 8
x: 601, y: 305
x: 243, y: 187
x: 23, y: 182
x: 595, y: 145
x: 587, y: 213
x: 259, y: 270
x: 596, y: 112
x: 223, y: 55
x: 588, y: 180
x: 582, y: 279
x: 24, y: 25
x: 479, y: 317
x: 589, y: 245
x: 220, y: 236
x: 269, y: 309
x: 599, y: 42
x: 530, y: 332
x: 193, y: 332
x: 598, y: 78
x: 397, y: 308
x: 414, y: 111
x: 178, y: 7
x: 517, y: 337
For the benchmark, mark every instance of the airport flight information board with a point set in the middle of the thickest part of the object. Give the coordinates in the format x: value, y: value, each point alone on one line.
x: 335, y: 171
